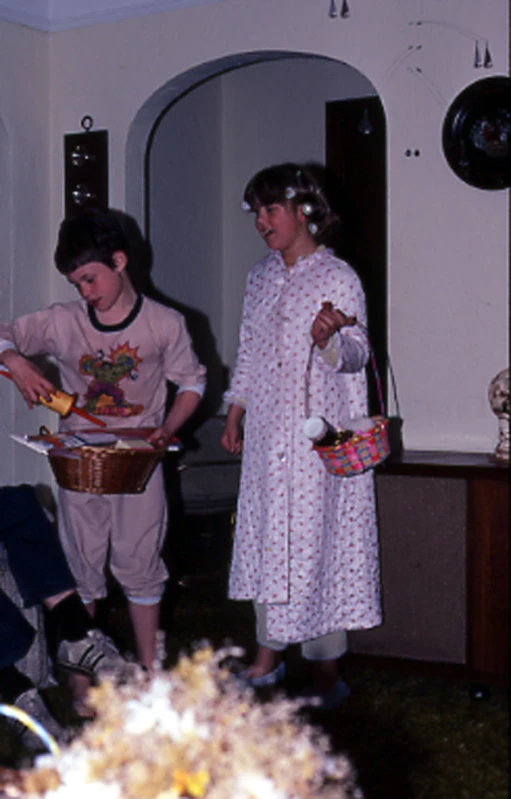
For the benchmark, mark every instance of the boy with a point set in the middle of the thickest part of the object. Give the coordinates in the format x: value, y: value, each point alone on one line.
x: 116, y: 349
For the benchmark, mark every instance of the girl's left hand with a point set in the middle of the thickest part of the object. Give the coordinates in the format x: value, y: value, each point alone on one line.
x: 328, y: 321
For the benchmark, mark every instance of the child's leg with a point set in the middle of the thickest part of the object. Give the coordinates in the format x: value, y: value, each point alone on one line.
x: 84, y: 522
x: 35, y: 556
x: 269, y: 652
x: 139, y: 526
x: 145, y: 620
x: 323, y: 653
x: 266, y: 660
x: 16, y: 634
x: 79, y: 684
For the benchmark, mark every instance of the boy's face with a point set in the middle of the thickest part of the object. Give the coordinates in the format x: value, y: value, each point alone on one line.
x: 100, y: 286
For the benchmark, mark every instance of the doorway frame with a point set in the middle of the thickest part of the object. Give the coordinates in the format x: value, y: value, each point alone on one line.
x: 146, y: 122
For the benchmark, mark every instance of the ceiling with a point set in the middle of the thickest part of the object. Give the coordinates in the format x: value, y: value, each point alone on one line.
x: 55, y: 15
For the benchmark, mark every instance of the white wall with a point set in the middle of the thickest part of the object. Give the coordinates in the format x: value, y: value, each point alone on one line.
x: 185, y: 222
x: 185, y: 208
x: 448, y: 242
x: 24, y: 231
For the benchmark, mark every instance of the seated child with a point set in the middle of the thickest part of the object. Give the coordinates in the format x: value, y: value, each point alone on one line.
x: 42, y: 575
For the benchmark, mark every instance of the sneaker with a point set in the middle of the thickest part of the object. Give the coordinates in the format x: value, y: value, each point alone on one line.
x: 95, y: 656
x: 32, y: 703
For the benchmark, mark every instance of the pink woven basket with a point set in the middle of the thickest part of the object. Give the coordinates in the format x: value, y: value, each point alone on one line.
x: 362, y: 451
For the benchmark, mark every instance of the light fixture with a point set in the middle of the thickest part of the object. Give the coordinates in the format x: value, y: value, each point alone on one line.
x: 478, y: 61
x: 364, y: 126
x: 488, y: 61
x: 85, y: 168
x: 343, y: 12
x: 345, y: 9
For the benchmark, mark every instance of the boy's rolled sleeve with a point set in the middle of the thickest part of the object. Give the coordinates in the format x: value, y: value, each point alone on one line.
x: 182, y: 366
x: 199, y: 389
x: 6, y: 345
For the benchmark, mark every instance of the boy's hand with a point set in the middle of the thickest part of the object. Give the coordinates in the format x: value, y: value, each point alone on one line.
x: 160, y: 437
x: 184, y: 405
x: 328, y: 321
x: 29, y: 380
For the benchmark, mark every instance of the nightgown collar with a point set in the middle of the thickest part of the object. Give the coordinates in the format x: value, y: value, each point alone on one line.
x: 302, y: 262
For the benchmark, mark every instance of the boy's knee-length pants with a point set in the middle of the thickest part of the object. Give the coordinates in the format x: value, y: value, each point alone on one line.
x: 126, y: 531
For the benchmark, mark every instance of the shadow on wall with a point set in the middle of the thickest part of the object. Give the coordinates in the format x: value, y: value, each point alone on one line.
x: 139, y: 269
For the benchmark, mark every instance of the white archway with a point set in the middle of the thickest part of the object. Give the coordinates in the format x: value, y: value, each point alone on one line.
x: 146, y: 120
x: 202, y: 244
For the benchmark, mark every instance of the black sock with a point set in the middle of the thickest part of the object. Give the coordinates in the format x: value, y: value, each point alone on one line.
x: 71, y: 618
x: 13, y: 683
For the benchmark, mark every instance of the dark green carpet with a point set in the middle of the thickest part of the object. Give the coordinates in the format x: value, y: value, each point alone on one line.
x: 409, y: 737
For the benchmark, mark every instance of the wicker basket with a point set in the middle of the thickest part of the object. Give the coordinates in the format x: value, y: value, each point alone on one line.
x: 100, y: 470
x: 364, y: 450
x: 361, y: 452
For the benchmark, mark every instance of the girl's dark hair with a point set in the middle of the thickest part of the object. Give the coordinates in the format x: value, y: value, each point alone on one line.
x: 299, y: 185
x: 92, y: 235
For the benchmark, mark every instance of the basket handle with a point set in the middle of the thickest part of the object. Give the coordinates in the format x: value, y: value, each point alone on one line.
x: 372, y: 359
x: 377, y: 377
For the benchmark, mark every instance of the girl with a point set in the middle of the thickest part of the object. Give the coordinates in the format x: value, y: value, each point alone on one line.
x: 306, y: 546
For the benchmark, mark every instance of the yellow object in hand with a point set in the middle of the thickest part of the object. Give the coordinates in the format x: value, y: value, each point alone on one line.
x: 60, y: 401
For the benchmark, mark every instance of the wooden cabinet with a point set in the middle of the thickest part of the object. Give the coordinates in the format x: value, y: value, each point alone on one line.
x: 444, y: 529
x: 488, y: 576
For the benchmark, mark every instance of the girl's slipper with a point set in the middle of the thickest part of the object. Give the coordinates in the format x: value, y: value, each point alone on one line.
x: 339, y: 691
x: 274, y: 677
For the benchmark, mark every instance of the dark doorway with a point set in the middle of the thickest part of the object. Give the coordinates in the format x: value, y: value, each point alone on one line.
x: 356, y: 161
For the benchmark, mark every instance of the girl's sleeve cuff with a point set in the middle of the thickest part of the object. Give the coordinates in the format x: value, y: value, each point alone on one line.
x: 230, y: 399
x: 330, y: 353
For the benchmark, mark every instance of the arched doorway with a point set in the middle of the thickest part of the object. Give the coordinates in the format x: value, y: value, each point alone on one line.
x: 190, y: 150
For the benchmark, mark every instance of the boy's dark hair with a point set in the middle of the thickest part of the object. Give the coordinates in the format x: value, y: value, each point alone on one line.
x: 92, y: 235
x: 299, y: 185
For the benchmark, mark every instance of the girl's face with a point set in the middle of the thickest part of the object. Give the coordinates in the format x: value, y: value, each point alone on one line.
x: 284, y: 228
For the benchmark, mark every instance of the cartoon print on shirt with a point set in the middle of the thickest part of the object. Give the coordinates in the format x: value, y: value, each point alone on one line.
x: 104, y: 396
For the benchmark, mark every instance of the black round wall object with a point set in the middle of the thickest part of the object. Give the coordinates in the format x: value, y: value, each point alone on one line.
x: 476, y: 135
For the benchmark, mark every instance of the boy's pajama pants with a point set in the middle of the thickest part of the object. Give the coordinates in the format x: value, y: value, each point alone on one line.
x: 125, y: 531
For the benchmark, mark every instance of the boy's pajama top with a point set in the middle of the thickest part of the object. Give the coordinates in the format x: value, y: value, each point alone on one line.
x: 306, y: 542
x: 119, y: 373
